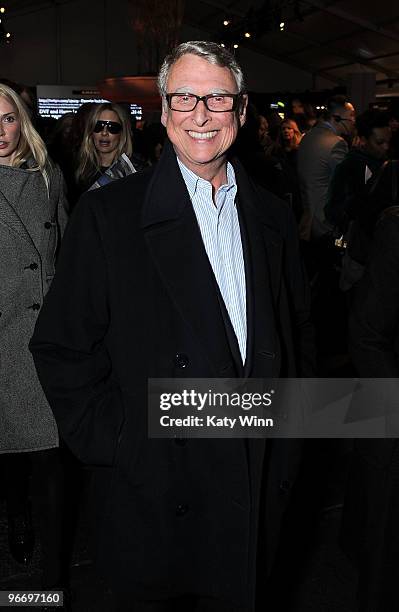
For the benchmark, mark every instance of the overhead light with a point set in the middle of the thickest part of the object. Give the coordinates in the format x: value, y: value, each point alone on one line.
x: 235, y: 46
x: 282, y: 25
x: 226, y: 22
x: 2, y: 9
x: 222, y: 45
x: 8, y: 35
x: 247, y: 34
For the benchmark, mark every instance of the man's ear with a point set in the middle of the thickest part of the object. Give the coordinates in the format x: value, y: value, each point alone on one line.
x: 242, y: 111
x: 165, y: 112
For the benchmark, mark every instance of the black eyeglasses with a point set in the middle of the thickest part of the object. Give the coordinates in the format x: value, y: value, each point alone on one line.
x: 215, y: 102
x: 339, y: 118
x: 112, y: 126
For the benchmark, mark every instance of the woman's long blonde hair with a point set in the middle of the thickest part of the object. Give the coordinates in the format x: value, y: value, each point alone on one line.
x: 30, y: 143
x: 89, y: 159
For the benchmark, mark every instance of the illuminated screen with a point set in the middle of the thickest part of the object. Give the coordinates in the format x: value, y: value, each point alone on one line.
x: 56, y: 107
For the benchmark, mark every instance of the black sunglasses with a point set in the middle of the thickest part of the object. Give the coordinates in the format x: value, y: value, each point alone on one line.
x: 112, y: 126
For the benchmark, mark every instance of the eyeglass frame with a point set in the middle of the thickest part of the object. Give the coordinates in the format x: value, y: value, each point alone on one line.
x: 339, y: 119
x: 235, y: 97
x: 107, y: 125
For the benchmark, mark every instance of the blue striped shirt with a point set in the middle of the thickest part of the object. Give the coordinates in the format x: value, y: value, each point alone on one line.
x: 221, y: 235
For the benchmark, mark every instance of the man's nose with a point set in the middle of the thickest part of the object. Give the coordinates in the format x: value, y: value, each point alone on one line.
x: 201, y: 114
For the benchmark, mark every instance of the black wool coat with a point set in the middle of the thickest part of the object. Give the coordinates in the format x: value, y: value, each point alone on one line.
x: 134, y: 297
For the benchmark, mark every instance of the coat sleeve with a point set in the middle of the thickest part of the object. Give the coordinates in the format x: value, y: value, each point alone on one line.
x: 69, y: 343
x: 299, y: 296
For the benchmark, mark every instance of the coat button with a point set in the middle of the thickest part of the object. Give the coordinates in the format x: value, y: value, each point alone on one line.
x: 35, y: 307
x: 33, y: 266
x: 181, y: 509
x: 47, y: 225
x: 181, y: 360
x: 180, y: 441
x: 285, y: 486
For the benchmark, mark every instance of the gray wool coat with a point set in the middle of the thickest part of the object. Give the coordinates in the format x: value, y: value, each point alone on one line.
x: 31, y: 224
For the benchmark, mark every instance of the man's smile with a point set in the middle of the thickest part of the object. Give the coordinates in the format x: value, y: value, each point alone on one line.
x: 202, y: 135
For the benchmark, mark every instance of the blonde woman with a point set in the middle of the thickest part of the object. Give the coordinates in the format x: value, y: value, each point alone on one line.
x: 106, y: 150
x: 32, y: 219
x: 289, y: 135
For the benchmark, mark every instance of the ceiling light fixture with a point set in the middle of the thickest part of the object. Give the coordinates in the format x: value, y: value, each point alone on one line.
x: 4, y: 35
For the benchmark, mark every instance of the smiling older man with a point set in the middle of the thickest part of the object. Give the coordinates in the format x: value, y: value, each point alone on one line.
x: 187, y: 269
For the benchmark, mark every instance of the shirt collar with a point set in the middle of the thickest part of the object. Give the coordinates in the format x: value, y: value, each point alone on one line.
x: 329, y: 126
x: 194, y: 182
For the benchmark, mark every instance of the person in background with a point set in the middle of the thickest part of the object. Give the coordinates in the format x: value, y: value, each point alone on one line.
x: 287, y: 141
x: 320, y: 151
x: 303, y: 114
x: 285, y: 151
x: 274, y: 120
x: 32, y: 219
x: 249, y: 148
x: 370, y: 529
x: 263, y: 132
x: 106, y: 149
x: 153, y: 139
x: 290, y: 136
x: 348, y: 188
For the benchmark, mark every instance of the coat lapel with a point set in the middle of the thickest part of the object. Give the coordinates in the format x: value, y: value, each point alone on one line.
x: 9, y: 217
x: 174, y: 241
x: 262, y: 247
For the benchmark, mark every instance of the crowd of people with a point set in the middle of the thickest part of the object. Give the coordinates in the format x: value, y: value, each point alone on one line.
x: 328, y: 188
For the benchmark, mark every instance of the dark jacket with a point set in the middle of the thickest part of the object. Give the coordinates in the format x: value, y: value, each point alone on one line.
x: 134, y: 297
x: 348, y: 191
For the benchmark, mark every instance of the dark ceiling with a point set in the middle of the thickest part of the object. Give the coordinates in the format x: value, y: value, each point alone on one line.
x: 327, y: 38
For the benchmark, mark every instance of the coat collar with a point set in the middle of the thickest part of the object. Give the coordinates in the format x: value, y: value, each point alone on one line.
x: 167, y: 195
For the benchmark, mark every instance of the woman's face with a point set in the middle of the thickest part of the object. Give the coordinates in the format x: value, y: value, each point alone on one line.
x: 10, y: 131
x: 104, y: 141
x: 287, y: 131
